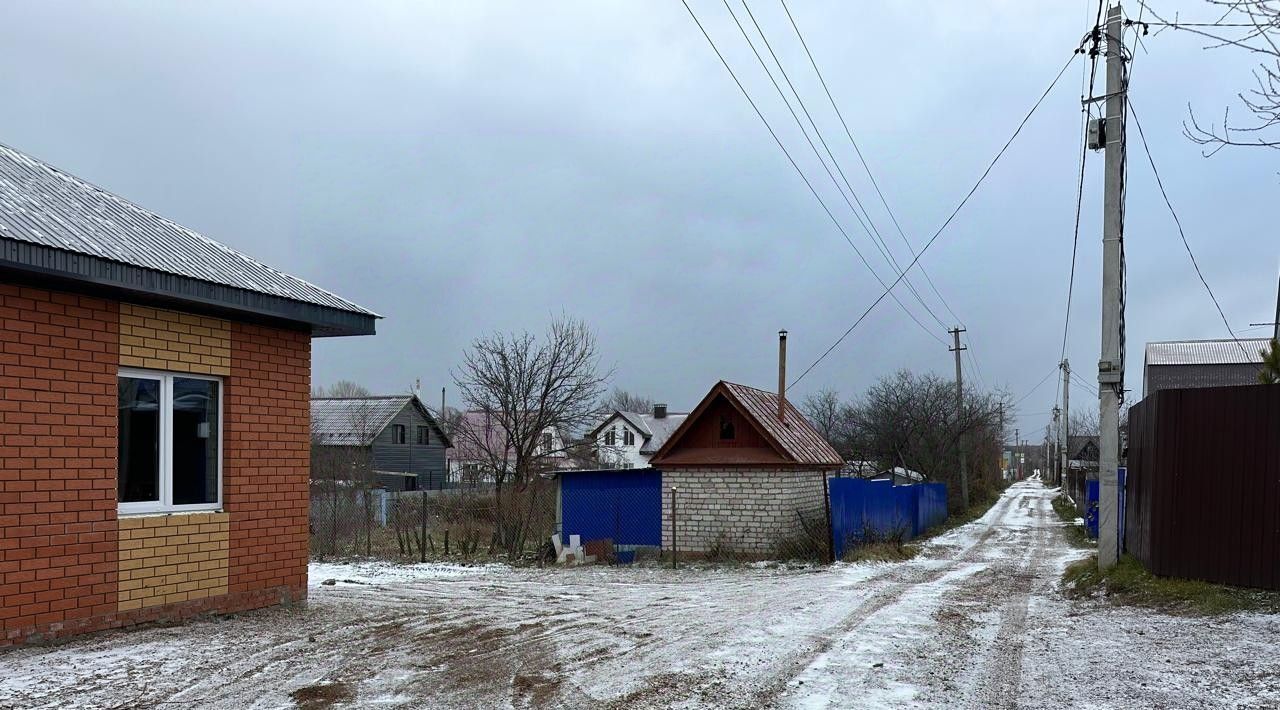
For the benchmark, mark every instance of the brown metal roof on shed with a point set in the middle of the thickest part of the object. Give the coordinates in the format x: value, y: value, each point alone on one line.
x: 756, y: 436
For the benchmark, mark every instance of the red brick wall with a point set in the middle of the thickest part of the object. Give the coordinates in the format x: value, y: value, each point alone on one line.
x: 267, y: 452
x: 59, y: 564
x: 58, y: 362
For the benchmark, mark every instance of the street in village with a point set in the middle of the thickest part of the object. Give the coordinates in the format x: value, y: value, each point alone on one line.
x: 975, y: 621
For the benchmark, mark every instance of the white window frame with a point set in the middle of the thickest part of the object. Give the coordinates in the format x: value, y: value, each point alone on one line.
x: 165, y: 504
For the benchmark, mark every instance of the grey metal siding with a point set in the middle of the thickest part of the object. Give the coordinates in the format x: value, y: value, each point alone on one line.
x: 1162, y: 377
x: 410, y: 457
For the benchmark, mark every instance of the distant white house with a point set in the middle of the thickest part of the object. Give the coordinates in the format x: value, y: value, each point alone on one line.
x: 630, y: 439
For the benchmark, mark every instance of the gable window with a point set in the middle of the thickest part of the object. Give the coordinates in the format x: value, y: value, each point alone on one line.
x: 397, y: 433
x: 727, y: 432
x: 169, y: 442
x: 610, y: 437
x: 628, y: 437
x: 424, y: 435
x: 546, y: 442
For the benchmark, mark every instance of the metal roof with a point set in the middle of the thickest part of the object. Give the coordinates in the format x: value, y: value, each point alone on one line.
x: 794, y: 437
x: 655, y: 430
x: 43, y: 206
x: 660, y: 430
x: 353, y: 421
x: 799, y: 440
x: 1206, y: 352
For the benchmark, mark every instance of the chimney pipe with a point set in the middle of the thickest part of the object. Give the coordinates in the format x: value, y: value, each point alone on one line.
x: 782, y: 375
x: 659, y: 411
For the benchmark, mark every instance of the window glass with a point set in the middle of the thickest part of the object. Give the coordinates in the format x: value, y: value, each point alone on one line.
x: 609, y: 438
x: 726, y: 429
x: 139, y: 440
x: 424, y: 435
x: 195, y: 441
x: 397, y: 433
x: 628, y: 437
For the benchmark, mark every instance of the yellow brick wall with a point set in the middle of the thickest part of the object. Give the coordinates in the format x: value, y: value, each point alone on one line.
x: 159, y: 339
x: 172, y: 558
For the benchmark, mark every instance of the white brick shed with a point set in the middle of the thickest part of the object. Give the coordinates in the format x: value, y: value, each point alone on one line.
x: 745, y: 470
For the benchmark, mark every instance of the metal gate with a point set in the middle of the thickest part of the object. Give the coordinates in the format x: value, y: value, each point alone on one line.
x: 620, y: 510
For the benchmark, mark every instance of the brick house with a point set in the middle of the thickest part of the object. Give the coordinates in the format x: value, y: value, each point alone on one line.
x: 154, y: 390
x: 746, y: 465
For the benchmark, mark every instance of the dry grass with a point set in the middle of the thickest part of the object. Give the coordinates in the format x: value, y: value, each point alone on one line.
x: 325, y: 695
x: 882, y: 552
x: 1128, y: 583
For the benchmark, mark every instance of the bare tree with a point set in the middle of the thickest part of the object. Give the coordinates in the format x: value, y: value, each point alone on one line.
x: 620, y: 400
x: 341, y: 388
x: 1252, y: 26
x: 910, y: 420
x: 822, y: 409
x: 342, y: 481
x: 525, y: 389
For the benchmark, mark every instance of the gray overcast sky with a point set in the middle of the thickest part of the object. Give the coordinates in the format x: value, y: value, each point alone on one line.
x: 469, y: 167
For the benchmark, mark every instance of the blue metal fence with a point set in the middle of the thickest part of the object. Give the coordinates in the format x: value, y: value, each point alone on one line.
x: 879, y: 509
x: 623, y: 507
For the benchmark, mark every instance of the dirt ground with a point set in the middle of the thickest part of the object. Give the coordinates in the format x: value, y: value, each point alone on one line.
x: 976, y: 621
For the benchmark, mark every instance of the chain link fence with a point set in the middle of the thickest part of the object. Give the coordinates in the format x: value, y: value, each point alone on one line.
x: 456, y: 523
x: 634, y: 517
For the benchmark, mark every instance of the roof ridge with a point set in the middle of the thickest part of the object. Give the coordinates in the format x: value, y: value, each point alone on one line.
x: 125, y: 202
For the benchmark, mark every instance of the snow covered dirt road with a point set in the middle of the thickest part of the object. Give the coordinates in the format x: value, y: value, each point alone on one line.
x: 975, y: 622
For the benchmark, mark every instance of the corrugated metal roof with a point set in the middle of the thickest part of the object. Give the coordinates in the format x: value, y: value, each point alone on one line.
x: 797, y: 436
x: 1206, y: 352
x: 353, y: 421
x: 660, y: 430
x: 40, y: 204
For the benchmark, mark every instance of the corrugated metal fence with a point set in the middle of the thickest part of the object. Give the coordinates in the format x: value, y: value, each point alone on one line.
x: 863, y: 510
x: 1203, y: 488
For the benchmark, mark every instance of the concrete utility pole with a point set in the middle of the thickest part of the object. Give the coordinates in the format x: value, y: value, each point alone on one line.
x: 964, y: 472
x: 1051, y: 462
x: 1111, y: 364
x: 1064, y: 460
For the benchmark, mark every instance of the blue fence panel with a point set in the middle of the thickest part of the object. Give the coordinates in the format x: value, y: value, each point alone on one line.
x: 861, y: 508
x: 624, y: 506
x: 1091, y: 507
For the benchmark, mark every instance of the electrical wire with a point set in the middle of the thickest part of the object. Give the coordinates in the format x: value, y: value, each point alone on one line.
x: 949, y: 219
x: 839, y: 226
x: 867, y: 168
x: 1033, y: 389
x: 1178, y: 222
x: 869, y: 226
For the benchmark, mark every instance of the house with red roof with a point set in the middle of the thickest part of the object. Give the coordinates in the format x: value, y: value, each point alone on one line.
x: 746, y: 468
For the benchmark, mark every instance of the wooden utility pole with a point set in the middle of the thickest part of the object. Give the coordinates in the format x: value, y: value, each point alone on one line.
x: 964, y: 472
x: 1111, y: 364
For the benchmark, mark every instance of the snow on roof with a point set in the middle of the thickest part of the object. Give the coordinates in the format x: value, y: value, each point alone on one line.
x: 40, y: 204
x: 353, y: 421
x: 1205, y: 352
x: 660, y: 429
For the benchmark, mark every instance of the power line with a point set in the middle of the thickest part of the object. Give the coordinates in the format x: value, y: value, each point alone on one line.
x: 948, y: 221
x: 1186, y: 245
x: 848, y: 133
x: 1084, y: 151
x: 796, y: 165
x: 1033, y: 389
x: 873, y: 232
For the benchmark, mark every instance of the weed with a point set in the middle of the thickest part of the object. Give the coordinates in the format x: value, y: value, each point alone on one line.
x: 882, y: 552
x: 1076, y: 535
x: 1128, y: 583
